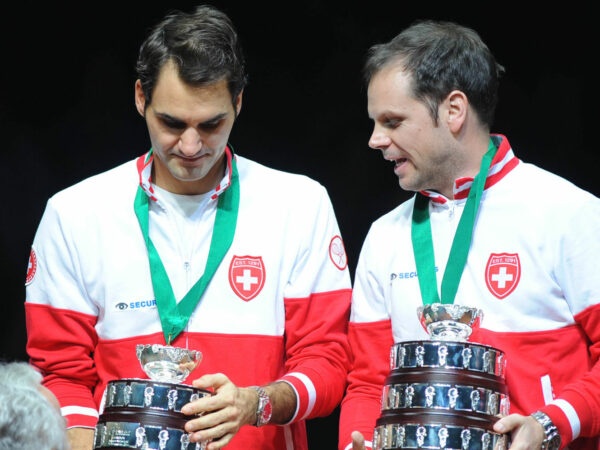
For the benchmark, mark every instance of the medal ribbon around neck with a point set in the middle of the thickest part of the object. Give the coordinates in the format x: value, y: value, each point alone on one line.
x: 423, y: 243
x: 175, y: 316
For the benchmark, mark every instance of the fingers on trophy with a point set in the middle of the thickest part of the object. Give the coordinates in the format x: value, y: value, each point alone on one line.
x: 445, y: 392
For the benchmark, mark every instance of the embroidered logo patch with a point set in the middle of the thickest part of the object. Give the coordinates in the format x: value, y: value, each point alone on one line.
x: 31, y: 267
x: 337, y: 253
x: 502, y: 273
x: 247, y: 276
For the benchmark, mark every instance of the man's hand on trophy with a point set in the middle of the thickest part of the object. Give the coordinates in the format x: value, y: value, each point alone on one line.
x: 525, y: 432
x: 358, y: 441
x: 219, y: 416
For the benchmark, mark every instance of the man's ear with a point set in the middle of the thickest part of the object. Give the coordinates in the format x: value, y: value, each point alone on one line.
x: 140, y: 99
x: 456, y: 110
x: 238, y: 103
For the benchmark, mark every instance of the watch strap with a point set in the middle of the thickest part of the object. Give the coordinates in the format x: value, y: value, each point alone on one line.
x: 264, y: 408
x: 552, y: 439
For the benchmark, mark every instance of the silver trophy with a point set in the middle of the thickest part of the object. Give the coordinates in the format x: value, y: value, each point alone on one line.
x: 443, y: 393
x: 449, y: 322
x: 146, y: 414
x: 167, y: 363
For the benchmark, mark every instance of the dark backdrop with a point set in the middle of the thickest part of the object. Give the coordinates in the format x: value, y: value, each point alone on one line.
x: 67, y: 110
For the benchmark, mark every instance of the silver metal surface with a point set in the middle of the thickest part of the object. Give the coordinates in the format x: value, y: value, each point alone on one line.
x: 148, y: 394
x: 136, y: 435
x: 466, y: 356
x: 436, y: 436
x: 444, y: 396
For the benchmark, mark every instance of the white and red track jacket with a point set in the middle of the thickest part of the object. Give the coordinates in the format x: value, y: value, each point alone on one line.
x: 533, y: 270
x: 90, y: 301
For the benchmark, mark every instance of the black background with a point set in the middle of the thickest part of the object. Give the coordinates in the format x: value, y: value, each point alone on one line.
x: 67, y: 110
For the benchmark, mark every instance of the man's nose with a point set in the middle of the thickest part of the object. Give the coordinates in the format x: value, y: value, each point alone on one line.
x: 190, y: 142
x: 379, y: 140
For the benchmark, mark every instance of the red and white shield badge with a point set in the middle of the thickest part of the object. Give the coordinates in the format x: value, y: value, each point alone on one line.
x: 246, y: 276
x: 502, y: 273
x: 31, y: 267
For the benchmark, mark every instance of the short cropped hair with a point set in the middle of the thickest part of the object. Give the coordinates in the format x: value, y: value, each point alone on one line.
x: 27, y: 418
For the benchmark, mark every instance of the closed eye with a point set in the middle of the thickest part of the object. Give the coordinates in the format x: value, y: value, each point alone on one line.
x: 391, y: 123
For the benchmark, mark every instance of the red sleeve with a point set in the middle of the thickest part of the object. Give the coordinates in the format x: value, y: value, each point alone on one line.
x: 370, y: 344
x: 583, y: 395
x: 570, y: 357
x: 60, y: 343
x: 317, y: 352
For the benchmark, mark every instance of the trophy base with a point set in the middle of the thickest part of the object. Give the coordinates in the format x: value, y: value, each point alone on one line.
x: 145, y: 414
x: 436, y: 431
x: 141, y: 434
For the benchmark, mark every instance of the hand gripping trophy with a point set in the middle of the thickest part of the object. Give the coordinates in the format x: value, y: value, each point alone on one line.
x: 443, y: 393
x: 146, y: 414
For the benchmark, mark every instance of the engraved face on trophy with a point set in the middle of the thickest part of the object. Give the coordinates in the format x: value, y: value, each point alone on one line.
x: 449, y: 322
x: 166, y: 363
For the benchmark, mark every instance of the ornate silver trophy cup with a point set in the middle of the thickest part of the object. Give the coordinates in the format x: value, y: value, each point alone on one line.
x: 446, y: 392
x: 449, y: 322
x: 146, y: 414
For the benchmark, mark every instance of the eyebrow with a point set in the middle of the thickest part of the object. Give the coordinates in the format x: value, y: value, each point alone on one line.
x: 166, y: 116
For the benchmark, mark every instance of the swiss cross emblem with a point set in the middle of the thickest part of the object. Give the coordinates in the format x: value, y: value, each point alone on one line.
x: 502, y: 273
x: 247, y: 276
x: 31, y: 267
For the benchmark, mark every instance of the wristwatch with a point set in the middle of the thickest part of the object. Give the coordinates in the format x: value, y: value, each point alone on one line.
x: 264, y: 409
x: 552, y: 440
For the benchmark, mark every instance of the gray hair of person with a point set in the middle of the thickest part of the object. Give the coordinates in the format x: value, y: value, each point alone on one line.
x: 204, y: 46
x: 442, y: 56
x: 20, y: 373
x: 27, y: 418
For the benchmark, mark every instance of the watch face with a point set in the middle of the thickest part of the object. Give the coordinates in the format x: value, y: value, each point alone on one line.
x: 267, y: 412
x: 554, y: 443
x: 264, y: 408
